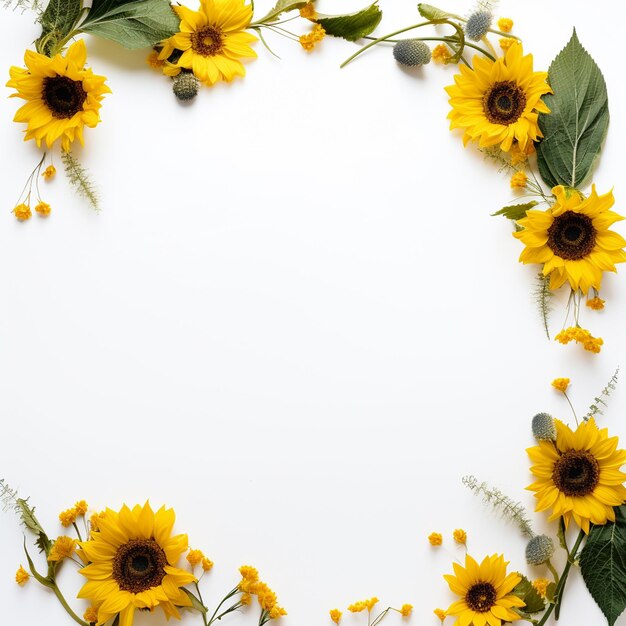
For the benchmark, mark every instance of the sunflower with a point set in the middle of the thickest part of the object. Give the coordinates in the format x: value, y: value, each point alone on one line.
x: 579, y: 474
x: 485, y: 592
x: 212, y: 40
x: 572, y: 239
x: 62, y: 96
x: 498, y: 102
x: 132, y: 558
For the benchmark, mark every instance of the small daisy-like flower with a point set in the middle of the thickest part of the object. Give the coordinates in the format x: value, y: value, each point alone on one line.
x: 505, y: 24
x: 21, y: 576
x: 49, y: 172
x: 460, y: 536
x: 22, y: 212
x: 335, y: 615
x: 435, y: 539
x: 406, y: 610
x: 195, y: 557
x: 43, y: 208
x: 597, y: 304
x: 67, y: 518
x: 518, y: 180
x: 541, y: 586
x: 62, y: 548
x: 561, y: 384
x: 440, y: 613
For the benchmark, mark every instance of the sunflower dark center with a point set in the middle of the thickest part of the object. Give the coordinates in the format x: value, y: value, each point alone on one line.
x: 481, y: 597
x: 139, y: 564
x: 63, y: 96
x: 572, y: 236
x: 504, y: 103
x: 576, y: 473
x: 208, y: 41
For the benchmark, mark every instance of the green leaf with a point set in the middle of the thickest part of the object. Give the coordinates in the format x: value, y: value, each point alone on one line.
x: 433, y: 13
x: 352, y: 26
x: 550, y: 589
x: 516, y: 211
x: 79, y: 177
x: 575, y: 128
x: 603, y: 565
x: 196, y: 604
x: 525, y: 590
x: 27, y: 516
x: 282, y: 6
x: 57, y: 21
x: 543, y: 297
x: 132, y: 23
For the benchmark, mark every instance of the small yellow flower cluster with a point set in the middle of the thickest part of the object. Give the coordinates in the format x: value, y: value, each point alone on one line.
x: 441, y: 54
x: 308, y: 11
x: 541, y: 586
x: 440, y: 613
x: 49, y: 172
x: 505, y: 24
x: 335, y: 615
x: 95, y: 519
x: 251, y: 585
x: 196, y: 557
x: 155, y: 62
x: 362, y: 605
x: 62, y: 548
x: 91, y: 615
x: 519, y: 180
x: 597, y: 304
x: 460, y: 536
x: 435, y: 539
x: 561, y: 384
x: 67, y: 518
x: 507, y: 42
x: 406, y: 610
x: 521, y: 156
x: 23, y: 211
x: 21, y: 576
x: 310, y: 40
x: 580, y: 335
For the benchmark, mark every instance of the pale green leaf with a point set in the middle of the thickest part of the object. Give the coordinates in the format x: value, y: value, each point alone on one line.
x: 282, y: 6
x: 433, y: 13
x: 526, y: 592
x: 352, y: 26
x: 515, y: 211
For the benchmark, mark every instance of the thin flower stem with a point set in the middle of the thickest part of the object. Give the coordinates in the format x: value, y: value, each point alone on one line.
x: 201, y: 602
x: 219, y: 606
x: 507, y: 35
x: 489, y: 46
x: 571, y: 406
x: 66, y: 606
x: 553, y: 571
x: 560, y: 588
x: 80, y: 538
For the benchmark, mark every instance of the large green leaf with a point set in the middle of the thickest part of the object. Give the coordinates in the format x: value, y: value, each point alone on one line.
x: 132, y: 23
x: 576, y: 126
x: 57, y: 21
x: 603, y: 565
x: 352, y: 26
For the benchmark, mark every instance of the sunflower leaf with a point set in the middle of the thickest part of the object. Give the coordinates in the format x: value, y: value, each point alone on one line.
x: 575, y: 128
x: 526, y: 592
x: 132, y: 23
x: 57, y: 21
x: 516, y: 211
x: 603, y: 565
x: 196, y: 604
x: 282, y: 6
x: 352, y: 26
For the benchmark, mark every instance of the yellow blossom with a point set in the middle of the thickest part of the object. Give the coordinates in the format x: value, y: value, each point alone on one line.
x: 91, y: 615
x: 245, y: 599
x: 597, y: 304
x: 62, y: 548
x: 505, y: 24
x: 81, y: 507
x: 95, y: 518
x: 249, y: 573
x: 460, y: 536
x: 441, y: 53
x: 49, y: 172
x: 561, y: 384
x: 435, y: 539
x: 67, y: 518
x: 363, y: 605
x: 207, y: 564
x: 521, y: 156
x: 506, y: 42
x: 195, y: 557
x: 22, y: 212
x: 519, y: 180
x: 541, y: 586
x: 406, y: 610
x: 154, y: 62
x: 580, y: 335
x: 309, y: 40
x: 21, y: 576
x: 308, y: 11
x: 335, y: 615
x: 277, y: 611
x: 43, y: 208
x: 440, y: 613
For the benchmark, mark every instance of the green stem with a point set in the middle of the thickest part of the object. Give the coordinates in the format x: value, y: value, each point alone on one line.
x: 553, y: 571
x: 560, y: 588
x: 66, y: 606
x: 202, y: 603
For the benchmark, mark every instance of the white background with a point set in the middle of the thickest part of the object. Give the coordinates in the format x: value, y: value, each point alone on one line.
x: 293, y: 320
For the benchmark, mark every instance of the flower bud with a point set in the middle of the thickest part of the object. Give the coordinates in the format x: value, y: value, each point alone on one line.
x: 543, y: 427
x: 478, y: 24
x: 411, y: 52
x: 186, y: 86
x: 539, y: 550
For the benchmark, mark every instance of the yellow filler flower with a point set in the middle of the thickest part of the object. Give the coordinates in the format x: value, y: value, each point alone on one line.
x: 62, y: 96
x: 498, y: 102
x: 212, y: 40
x: 579, y: 475
x: 485, y: 592
x: 132, y: 564
x: 572, y: 239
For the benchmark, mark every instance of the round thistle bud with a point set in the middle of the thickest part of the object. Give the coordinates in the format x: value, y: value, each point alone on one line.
x: 539, y: 550
x: 543, y: 427
x: 411, y: 52
x: 477, y: 25
x: 186, y: 86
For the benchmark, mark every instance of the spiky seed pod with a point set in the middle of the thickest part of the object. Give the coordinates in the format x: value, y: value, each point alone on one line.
x: 543, y: 427
x: 186, y: 86
x: 539, y: 550
x: 477, y: 25
x: 411, y: 52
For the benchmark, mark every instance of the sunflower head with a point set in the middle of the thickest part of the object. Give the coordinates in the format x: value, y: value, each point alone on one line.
x: 579, y: 475
x: 62, y: 96
x: 485, y: 592
x: 572, y: 239
x: 132, y: 560
x: 498, y: 102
